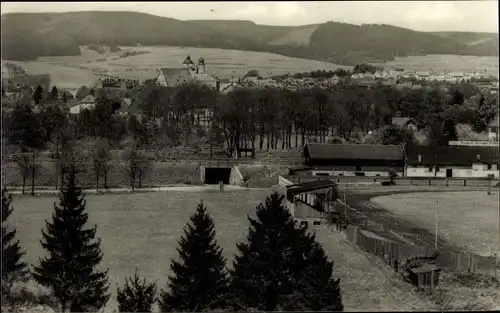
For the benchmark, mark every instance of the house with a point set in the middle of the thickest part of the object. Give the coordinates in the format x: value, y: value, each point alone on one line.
x: 353, y: 159
x: 227, y: 87
x: 173, y: 77
x: 310, y: 200
x: 190, y: 73
x: 493, y: 129
x: 124, y: 105
x: 422, y: 75
x: 86, y: 103
x: 405, y: 122
x: 452, y: 161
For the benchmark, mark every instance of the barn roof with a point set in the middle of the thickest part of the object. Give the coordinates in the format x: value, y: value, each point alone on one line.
x: 452, y: 155
x: 176, y: 76
x: 316, y: 151
x: 310, y: 186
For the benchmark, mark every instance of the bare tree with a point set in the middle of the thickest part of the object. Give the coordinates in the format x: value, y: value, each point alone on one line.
x: 23, y: 164
x: 101, y: 160
x: 137, y: 165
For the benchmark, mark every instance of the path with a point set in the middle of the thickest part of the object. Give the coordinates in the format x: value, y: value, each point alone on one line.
x: 188, y: 188
x: 363, y: 209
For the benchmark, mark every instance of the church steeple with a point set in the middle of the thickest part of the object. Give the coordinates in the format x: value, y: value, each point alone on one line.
x: 188, y: 62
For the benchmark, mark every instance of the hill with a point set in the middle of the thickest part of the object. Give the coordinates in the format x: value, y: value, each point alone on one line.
x: 26, y: 36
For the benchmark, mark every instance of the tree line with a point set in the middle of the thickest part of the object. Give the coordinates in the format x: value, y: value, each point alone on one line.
x: 279, y: 267
x: 266, y: 118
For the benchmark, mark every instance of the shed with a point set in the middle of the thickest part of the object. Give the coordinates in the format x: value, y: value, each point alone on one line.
x: 423, y: 276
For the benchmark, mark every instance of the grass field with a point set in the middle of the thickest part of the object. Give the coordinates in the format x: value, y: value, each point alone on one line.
x: 71, y: 72
x: 467, y: 219
x: 440, y: 63
x: 160, y: 173
x: 141, y: 231
x: 74, y: 71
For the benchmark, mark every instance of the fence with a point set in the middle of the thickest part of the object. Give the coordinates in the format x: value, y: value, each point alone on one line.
x: 392, y: 251
x: 403, y: 181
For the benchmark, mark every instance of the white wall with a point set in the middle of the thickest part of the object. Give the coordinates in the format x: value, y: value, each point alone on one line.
x: 351, y: 173
x: 477, y: 171
x: 160, y: 80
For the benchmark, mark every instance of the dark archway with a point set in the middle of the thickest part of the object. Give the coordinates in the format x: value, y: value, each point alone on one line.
x: 215, y: 174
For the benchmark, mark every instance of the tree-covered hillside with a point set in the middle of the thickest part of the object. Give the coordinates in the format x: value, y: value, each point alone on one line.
x: 26, y: 36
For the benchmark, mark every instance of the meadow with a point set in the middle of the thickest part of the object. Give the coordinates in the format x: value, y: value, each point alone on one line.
x: 441, y: 63
x: 142, y: 231
x: 468, y: 219
x: 78, y: 70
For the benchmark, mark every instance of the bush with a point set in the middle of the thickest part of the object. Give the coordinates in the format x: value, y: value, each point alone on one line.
x: 136, y: 295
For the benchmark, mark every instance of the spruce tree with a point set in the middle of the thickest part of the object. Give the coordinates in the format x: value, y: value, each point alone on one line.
x: 54, y: 93
x: 73, y: 254
x: 12, y: 267
x: 199, y: 281
x: 275, y: 266
x: 136, y: 295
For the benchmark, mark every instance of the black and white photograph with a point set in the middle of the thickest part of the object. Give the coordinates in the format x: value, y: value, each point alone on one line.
x: 250, y: 156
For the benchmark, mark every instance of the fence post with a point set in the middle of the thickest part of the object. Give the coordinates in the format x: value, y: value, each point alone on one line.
x: 465, y: 182
x: 429, y: 182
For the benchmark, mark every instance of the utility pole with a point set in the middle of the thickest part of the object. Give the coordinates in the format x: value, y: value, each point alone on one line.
x: 437, y: 225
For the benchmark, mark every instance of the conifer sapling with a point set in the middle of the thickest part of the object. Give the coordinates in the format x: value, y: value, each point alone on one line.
x: 199, y: 281
x: 136, y: 295
x: 12, y: 267
x: 73, y: 254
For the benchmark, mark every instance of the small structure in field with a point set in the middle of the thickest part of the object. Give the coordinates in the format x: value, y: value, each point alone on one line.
x: 424, y: 276
x: 310, y: 201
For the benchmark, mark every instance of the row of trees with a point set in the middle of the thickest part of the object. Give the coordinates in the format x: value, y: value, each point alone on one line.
x: 280, y: 267
x: 257, y: 118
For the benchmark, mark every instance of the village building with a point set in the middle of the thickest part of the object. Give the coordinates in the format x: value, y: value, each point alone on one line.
x: 190, y: 73
x: 493, y: 129
x: 353, y: 159
x: 422, y: 75
x: 405, y: 123
x: 452, y: 161
x: 86, y: 103
x: 309, y: 201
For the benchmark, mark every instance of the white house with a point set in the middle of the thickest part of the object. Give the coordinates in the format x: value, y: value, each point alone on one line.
x: 452, y: 161
x: 86, y: 103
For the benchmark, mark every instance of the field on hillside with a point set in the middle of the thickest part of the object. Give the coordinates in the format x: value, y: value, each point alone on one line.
x: 73, y: 71
x: 142, y: 230
x: 469, y: 220
x: 440, y: 63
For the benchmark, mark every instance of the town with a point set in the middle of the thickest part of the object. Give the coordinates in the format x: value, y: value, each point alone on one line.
x: 364, y: 188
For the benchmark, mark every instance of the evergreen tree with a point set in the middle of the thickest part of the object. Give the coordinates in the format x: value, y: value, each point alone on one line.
x: 449, y: 131
x: 37, y: 94
x: 199, y: 281
x: 136, y: 296
x: 54, y: 93
x: 70, y: 269
x: 281, y: 266
x: 12, y: 266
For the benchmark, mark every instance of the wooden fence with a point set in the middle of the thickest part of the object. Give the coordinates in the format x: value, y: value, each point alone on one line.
x: 392, y: 251
x: 403, y: 181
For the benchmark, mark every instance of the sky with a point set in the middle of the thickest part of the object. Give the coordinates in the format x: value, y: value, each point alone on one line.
x: 473, y: 16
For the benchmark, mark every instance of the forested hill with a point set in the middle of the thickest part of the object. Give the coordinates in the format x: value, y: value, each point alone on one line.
x: 26, y: 36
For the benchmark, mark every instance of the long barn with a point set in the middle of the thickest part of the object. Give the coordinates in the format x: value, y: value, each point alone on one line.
x: 354, y: 159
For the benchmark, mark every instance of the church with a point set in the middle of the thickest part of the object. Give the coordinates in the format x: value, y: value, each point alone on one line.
x: 189, y: 73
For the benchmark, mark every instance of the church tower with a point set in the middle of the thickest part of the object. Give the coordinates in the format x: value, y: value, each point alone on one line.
x: 201, y: 66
